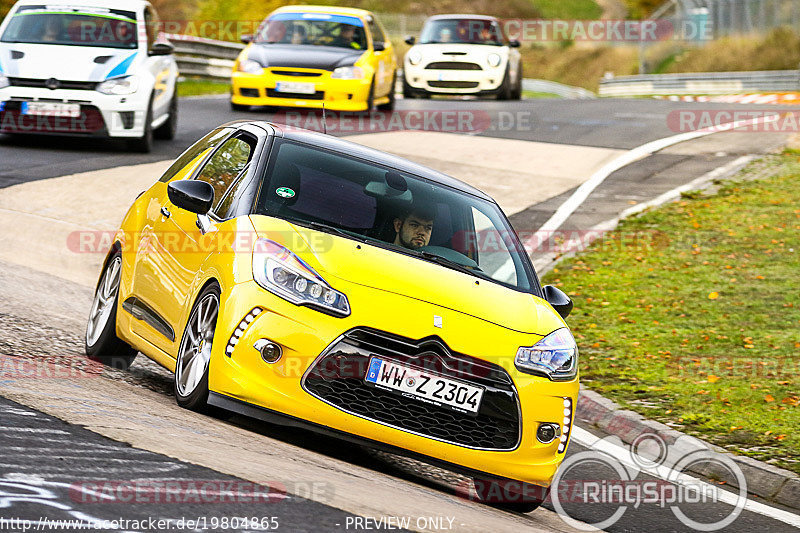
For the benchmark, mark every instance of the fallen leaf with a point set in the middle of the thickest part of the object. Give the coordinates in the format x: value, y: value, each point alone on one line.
x: 768, y: 398
x: 713, y: 295
x: 713, y: 379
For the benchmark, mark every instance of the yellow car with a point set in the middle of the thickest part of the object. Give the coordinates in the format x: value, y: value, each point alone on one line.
x: 296, y: 277
x: 310, y: 56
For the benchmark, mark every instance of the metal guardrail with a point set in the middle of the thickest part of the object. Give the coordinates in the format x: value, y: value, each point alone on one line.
x: 559, y: 89
x: 702, y: 83
x: 206, y: 58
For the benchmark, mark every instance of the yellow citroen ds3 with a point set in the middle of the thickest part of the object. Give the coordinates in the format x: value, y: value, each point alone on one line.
x: 310, y: 56
x: 299, y: 278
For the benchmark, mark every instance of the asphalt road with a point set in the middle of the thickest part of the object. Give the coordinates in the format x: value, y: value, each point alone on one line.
x: 606, y: 123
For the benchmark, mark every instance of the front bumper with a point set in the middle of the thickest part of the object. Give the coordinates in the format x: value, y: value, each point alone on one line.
x: 101, y: 114
x: 335, y: 94
x: 440, y: 81
x: 306, y: 336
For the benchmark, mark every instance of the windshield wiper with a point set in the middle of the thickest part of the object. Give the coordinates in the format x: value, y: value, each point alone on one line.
x: 326, y: 228
x: 439, y: 260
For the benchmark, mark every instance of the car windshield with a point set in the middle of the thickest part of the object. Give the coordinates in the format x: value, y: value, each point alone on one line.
x: 315, y: 29
x: 463, y: 31
x: 395, y: 210
x: 69, y: 25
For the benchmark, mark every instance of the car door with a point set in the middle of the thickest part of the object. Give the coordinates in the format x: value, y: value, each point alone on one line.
x: 384, y: 60
x: 152, y: 276
x: 193, y: 244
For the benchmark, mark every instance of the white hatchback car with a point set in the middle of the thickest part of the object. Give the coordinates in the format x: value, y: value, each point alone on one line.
x: 462, y: 54
x: 87, y: 68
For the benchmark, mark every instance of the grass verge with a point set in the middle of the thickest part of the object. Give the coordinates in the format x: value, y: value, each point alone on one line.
x: 197, y: 87
x: 690, y: 314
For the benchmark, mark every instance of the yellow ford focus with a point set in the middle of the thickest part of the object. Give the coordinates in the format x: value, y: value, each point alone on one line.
x: 299, y: 278
x: 309, y: 56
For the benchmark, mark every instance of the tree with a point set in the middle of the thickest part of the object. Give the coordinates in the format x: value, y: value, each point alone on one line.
x: 5, y: 7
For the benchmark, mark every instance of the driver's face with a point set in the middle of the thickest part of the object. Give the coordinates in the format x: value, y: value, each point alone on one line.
x: 414, y: 232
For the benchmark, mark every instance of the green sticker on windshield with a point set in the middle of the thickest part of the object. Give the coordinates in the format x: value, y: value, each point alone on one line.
x: 285, y: 192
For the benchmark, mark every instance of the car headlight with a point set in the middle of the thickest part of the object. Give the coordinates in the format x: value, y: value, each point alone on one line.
x: 284, y: 274
x: 250, y: 67
x: 348, y: 73
x: 4, y: 81
x: 494, y: 60
x: 555, y: 356
x: 119, y: 86
x: 414, y: 57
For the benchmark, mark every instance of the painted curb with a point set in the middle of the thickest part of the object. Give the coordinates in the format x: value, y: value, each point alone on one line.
x: 763, y: 480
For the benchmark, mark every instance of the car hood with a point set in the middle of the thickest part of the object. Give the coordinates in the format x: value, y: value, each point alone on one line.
x: 69, y: 63
x: 303, y: 56
x: 459, y: 51
x: 371, y: 266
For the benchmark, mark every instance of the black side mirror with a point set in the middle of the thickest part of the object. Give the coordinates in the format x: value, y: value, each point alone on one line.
x: 378, y: 47
x: 246, y: 39
x: 192, y: 195
x: 558, y: 299
x: 513, y: 43
x: 162, y: 49
x: 410, y: 40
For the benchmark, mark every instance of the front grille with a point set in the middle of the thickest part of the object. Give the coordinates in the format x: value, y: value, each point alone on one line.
x: 250, y: 93
x: 337, y: 378
x: 297, y: 73
x: 74, y: 85
x: 12, y: 120
x: 453, y: 65
x: 319, y: 95
x: 453, y: 84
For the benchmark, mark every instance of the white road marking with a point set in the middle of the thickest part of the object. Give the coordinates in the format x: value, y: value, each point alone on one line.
x: 584, y: 190
x: 623, y: 455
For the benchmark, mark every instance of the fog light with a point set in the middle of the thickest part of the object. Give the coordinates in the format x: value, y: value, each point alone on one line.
x: 547, y: 433
x: 270, y: 352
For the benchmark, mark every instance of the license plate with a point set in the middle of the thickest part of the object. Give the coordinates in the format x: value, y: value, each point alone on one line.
x: 295, y: 87
x: 47, y: 109
x: 424, y: 386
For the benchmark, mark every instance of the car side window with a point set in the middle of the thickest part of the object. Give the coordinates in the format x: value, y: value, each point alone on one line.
x: 188, y: 161
x: 226, y: 165
x: 225, y: 208
x: 376, y: 31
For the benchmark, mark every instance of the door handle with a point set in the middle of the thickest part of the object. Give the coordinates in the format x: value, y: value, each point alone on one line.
x: 165, y: 212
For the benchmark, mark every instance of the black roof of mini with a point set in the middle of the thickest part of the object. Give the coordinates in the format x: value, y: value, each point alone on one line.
x: 337, y: 144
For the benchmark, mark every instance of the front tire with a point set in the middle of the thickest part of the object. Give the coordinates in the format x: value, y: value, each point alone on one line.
x: 389, y: 106
x: 167, y: 130
x: 101, y: 343
x: 144, y: 144
x: 194, y: 353
x: 513, y: 496
x: 516, y: 94
x: 504, y: 92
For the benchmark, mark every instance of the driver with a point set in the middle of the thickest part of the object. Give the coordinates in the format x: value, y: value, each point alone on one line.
x: 414, y: 228
x: 347, y: 37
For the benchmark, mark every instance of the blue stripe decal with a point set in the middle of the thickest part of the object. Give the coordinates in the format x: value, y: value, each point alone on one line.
x: 342, y: 19
x: 122, y: 68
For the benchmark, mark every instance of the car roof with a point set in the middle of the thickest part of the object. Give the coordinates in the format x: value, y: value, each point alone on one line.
x: 332, y: 10
x: 337, y: 144
x: 462, y: 16
x: 127, y: 5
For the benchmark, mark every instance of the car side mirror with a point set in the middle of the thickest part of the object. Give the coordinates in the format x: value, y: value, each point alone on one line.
x: 379, y: 47
x: 162, y: 49
x: 513, y: 43
x: 410, y: 40
x: 192, y: 195
x: 558, y: 299
x: 246, y: 39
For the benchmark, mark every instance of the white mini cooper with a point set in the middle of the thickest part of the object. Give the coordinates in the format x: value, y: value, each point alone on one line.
x: 462, y: 54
